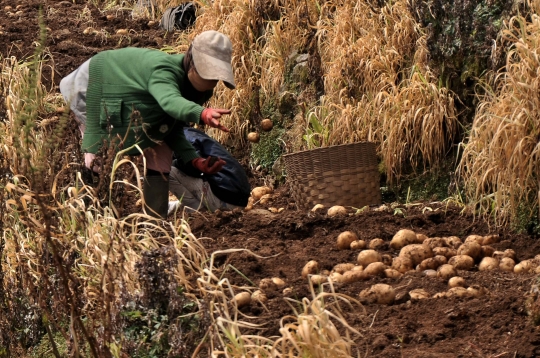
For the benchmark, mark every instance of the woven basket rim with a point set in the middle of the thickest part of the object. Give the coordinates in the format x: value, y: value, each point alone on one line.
x: 330, y: 146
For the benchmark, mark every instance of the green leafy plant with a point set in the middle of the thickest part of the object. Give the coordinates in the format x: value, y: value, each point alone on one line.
x: 269, y: 148
x: 316, y: 133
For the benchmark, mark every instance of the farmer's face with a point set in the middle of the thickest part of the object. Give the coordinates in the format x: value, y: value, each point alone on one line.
x: 200, y: 83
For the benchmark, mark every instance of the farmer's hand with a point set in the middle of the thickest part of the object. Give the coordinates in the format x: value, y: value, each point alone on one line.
x: 211, y: 116
x: 211, y: 165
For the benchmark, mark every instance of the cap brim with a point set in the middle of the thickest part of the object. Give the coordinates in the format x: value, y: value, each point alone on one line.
x: 210, y: 68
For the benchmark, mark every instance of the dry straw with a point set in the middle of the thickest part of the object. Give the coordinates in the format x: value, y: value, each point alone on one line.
x: 379, y: 87
x: 499, y: 165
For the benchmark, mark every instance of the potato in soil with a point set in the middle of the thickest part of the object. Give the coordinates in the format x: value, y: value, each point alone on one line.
x: 254, y: 137
x: 345, y: 239
x: 267, y: 124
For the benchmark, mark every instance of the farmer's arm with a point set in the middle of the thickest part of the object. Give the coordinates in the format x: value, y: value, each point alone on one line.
x: 164, y: 88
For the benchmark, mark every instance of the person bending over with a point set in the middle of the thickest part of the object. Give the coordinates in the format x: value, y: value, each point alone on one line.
x: 144, y: 97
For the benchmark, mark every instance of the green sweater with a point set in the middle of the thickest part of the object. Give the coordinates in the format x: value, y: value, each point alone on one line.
x: 140, y: 96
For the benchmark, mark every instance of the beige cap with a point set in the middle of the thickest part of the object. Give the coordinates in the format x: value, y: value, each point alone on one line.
x: 212, y: 53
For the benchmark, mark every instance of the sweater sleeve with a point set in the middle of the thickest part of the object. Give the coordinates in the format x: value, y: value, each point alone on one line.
x: 181, y: 147
x: 163, y: 86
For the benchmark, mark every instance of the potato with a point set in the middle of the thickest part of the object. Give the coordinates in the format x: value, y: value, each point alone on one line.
x: 403, y: 238
x: 379, y: 293
x: 457, y: 292
x: 445, y: 251
x: 476, y: 291
x: 507, y: 264
x: 354, y: 276
x: 317, y: 207
x: 462, y: 262
x: 491, y: 239
x: 434, y: 242
x: 258, y: 192
x: 456, y: 281
x: 472, y: 249
x: 487, y: 251
x: 429, y: 273
x: 391, y: 273
x: 432, y: 263
x: 318, y: 279
x: 366, y: 257
x: 420, y: 238
x: 375, y: 269
x: 510, y: 253
x: 440, y: 295
x: 488, y: 264
x: 249, y: 205
x: 278, y: 282
x: 446, y: 271
x: 342, y: 268
x: 402, y: 264
x: 475, y: 238
x: 358, y: 268
x: 416, y: 252
x: 418, y: 294
x: 267, y: 284
x: 337, y: 210
x: 358, y: 245
x: 259, y: 296
x: 242, y: 299
x: 453, y: 242
x: 288, y: 291
x: 254, y: 137
x: 376, y: 244
x: 310, y: 268
x: 89, y: 31
x: 335, y: 277
x: 122, y: 32
x: 265, y: 198
x: 524, y: 266
x: 498, y: 255
x: 267, y: 124
x: 345, y: 239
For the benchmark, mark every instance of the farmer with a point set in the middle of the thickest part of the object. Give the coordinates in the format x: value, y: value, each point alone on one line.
x: 140, y: 96
x: 224, y: 187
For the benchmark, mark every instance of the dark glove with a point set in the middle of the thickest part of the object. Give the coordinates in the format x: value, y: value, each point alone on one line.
x: 210, y: 165
x: 210, y: 117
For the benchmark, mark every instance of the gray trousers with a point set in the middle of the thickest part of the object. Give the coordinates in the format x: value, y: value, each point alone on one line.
x: 193, y: 193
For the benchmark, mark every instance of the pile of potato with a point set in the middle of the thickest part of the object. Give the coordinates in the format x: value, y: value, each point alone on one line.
x: 440, y: 257
x: 266, y: 286
x: 262, y: 195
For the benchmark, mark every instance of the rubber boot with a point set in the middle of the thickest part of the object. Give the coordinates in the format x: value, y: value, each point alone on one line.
x: 156, y: 195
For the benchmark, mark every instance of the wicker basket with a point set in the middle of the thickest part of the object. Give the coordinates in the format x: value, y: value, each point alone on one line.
x: 339, y: 175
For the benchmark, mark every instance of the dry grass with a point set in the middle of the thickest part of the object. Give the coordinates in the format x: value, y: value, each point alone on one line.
x: 377, y: 85
x: 499, y: 165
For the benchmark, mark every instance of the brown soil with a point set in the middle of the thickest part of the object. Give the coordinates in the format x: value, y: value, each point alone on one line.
x: 496, y: 325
